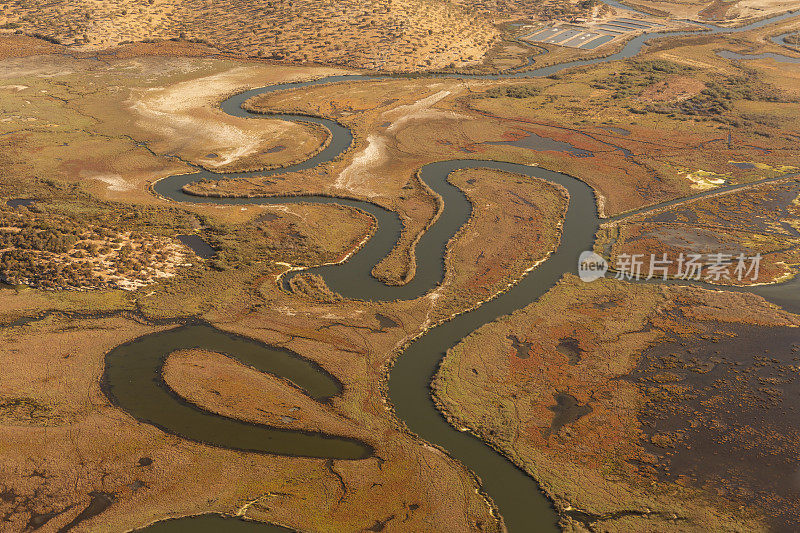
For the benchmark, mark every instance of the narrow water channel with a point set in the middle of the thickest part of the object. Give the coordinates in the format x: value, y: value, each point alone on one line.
x: 134, y: 382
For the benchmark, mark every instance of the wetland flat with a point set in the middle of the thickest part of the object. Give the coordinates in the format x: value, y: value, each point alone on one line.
x: 256, y: 280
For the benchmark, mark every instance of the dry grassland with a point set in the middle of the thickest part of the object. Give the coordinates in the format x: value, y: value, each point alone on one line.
x: 390, y: 35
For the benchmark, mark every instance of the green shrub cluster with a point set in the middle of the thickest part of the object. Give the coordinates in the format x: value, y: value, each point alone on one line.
x: 638, y: 75
x: 719, y: 97
x: 513, y: 91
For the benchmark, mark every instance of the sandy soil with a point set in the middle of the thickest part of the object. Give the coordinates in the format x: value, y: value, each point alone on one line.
x: 187, y: 122
x: 365, y: 164
x: 402, y: 35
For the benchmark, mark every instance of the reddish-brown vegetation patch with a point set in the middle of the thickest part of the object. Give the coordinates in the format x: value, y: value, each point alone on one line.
x: 760, y: 220
x: 717, y: 10
x: 674, y: 88
x: 564, y: 414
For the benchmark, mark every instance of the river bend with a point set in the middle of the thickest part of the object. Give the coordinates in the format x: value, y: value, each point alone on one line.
x: 132, y: 370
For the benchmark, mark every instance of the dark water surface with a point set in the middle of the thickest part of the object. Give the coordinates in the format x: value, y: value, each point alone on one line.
x: 538, y: 143
x: 200, y: 247
x: 133, y: 381
x: 617, y: 130
x: 213, y: 523
x: 780, y: 39
x: 715, y: 370
x: 780, y: 58
x: 21, y: 202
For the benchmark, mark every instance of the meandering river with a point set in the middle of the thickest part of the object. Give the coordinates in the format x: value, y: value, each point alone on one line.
x: 132, y: 378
